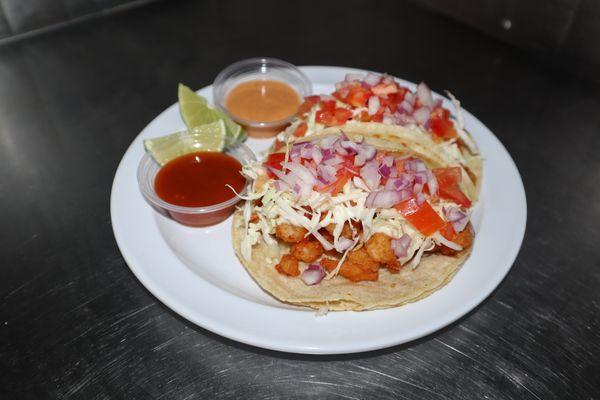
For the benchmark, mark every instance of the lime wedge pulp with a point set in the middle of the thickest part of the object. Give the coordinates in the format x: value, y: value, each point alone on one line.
x: 206, y: 137
x: 195, y: 111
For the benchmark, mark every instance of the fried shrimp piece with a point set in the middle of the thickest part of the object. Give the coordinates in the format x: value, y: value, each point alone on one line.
x: 346, y: 231
x: 290, y: 233
x: 308, y: 250
x: 463, y: 239
x: 288, y: 265
x: 353, y: 270
x: 379, y: 247
x: 362, y: 258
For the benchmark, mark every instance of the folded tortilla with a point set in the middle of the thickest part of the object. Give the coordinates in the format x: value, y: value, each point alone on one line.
x: 390, y: 290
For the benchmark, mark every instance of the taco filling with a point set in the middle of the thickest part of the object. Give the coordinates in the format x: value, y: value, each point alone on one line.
x: 341, y: 211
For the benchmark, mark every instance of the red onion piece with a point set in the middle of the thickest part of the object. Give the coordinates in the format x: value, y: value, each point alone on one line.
x: 424, y: 94
x: 290, y: 179
x: 422, y: 115
x: 366, y: 152
x: 317, y: 156
x: 384, y: 198
x: 306, y: 151
x: 313, y: 275
x: 350, y: 146
x: 406, y: 107
x: 327, y: 142
x: 372, y: 79
x: 457, y: 217
x: 420, y: 198
x: 327, y: 172
x: 343, y: 244
x: 374, y: 105
x: 385, y: 171
x: 410, y: 98
x: 432, y: 183
x: 309, y: 177
x: 404, y: 181
x: 354, y: 77
x: 370, y: 174
x: 400, y: 246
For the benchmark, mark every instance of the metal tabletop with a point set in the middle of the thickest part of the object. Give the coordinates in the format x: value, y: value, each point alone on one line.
x: 74, y: 321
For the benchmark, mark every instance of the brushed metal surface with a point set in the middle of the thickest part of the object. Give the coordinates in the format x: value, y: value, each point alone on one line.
x: 75, y: 323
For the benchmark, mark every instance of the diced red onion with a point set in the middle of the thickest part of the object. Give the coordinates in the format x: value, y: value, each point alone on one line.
x: 401, y: 245
x: 280, y: 186
x: 432, y: 183
x: 388, y: 119
x: 338, y: 148
x: 334, y: 160
x: 343, y: 244
x: 290, y: 179
x: 309, y: 177
x: 366, y: 152
x: 406, y: 107
x: 388, y: 160
x: 317, y: 155
x: 306, y: 151
x: 436, y: 103
x: 420, y: 178
x: 420, y: 198
x: 369, y: 173
x: 384, y: 198
x: 350, y: 146
x: 327, y: 172
x: 410, y: 98
x: 424, y: 94
x: 327, y: 154
x: 418, y: 188
x: 415, y: 165
x: 374, y: 104
x: 405, y: 119
x: 327, y: 142
x: 296, y: 151
x: 401, y: 182
x: 354, y: 77
x: 457, y: 217
x: 313, y: 275
x: 384, y: 171
x: 372, y: 79
x: 422, y: 115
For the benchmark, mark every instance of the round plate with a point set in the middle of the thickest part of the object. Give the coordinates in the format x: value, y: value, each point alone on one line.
x: 194, y: 271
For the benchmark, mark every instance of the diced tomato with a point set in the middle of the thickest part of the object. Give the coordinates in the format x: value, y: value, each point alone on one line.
x: 358, y: 96
x: 448, y: 231
x: 274, y: 161
x: 453, y: 193
x: 300, y: 130
x: 328, y: 106
x: 364, y: 116
x: 278, y: 144
x: 421, y: 216
x: 448, y: 181
x: 448, y: 176
x: 342, y: 177
x: 342, y: 114
x: 308, y: 103
x: 339, y: 116
x: 441, y: 124
x: 377, y: 117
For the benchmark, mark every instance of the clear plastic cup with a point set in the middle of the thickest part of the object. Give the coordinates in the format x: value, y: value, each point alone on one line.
x: 259, y: 69
x: 190, y: 216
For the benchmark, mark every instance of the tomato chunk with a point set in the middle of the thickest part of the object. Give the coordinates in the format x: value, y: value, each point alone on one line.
x: 448, y: 180
x: 301, y: 130
x: 421, y: 216
x: 274, y: 161
x: 441, y: 124
x: 453, y: 193
x: 448, y: 176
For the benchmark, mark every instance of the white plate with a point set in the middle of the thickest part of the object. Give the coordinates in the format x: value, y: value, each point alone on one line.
x: 194, y: 270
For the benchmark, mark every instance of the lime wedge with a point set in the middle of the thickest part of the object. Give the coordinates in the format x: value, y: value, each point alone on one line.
x: 207, y: 137
x: 195, y: 111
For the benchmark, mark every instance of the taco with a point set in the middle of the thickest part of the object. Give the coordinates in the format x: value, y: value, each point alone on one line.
x: 348, y: 221
x: 377, y: 103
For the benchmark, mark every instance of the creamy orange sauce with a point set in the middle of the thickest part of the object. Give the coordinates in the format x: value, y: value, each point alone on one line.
x: 262, y: 101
